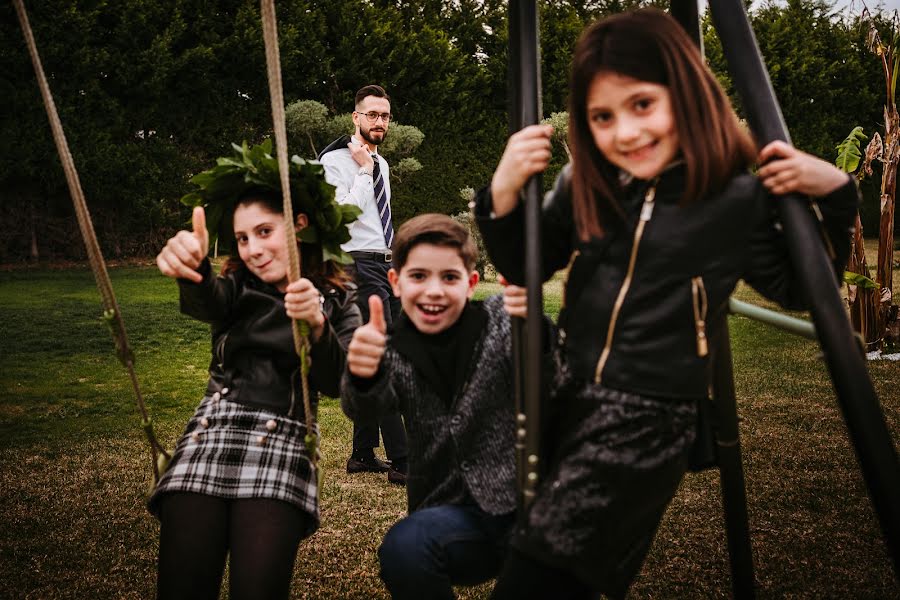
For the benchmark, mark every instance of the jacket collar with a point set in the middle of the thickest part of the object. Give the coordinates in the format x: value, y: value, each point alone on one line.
x: 413, y: 345
x: 669, y: 183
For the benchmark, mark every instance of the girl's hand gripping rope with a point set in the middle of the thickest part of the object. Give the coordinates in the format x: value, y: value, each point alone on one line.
x: 303, y: 302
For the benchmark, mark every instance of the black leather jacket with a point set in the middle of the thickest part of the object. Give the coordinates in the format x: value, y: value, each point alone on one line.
x: 687, y: 263
x: 252, y: 341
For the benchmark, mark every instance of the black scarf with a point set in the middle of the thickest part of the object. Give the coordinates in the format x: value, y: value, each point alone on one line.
x: 442, y: 359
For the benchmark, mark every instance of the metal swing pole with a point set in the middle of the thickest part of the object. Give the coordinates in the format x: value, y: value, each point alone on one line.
x: 855, y: 393
x: 525, y: 109
x: 727, y: 432
x: 687, y: 13
x: 731, y: 468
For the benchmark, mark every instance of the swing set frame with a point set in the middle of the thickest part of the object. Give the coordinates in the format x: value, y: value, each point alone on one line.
x: 853, y: 387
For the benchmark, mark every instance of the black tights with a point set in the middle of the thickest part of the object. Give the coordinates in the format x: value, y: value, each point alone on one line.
x: 198, y: 531
x: 523, y: 577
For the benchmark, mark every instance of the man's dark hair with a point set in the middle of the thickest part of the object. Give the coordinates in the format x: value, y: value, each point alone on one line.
x: 436, y: 229
x: 371, y: 90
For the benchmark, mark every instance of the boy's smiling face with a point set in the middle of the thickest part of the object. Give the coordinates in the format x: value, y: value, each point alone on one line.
x: 433, y: 286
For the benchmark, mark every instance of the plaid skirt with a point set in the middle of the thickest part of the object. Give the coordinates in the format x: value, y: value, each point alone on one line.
x: 619, y: 461
x: 232, y: 451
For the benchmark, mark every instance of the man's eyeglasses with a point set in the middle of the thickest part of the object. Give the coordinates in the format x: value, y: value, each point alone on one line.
x: 373, y: 116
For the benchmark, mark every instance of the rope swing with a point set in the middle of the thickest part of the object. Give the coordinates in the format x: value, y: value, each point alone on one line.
x: 300, y: 328
x: 111, y: 314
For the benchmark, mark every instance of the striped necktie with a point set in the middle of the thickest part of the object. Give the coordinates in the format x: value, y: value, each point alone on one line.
x: 384, y: 207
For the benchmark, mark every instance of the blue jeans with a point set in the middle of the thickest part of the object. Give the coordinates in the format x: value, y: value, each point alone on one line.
x: 425, y: 554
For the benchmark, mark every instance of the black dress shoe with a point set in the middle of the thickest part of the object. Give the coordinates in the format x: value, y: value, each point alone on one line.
x: 366, y: 465
x: 395, y: 476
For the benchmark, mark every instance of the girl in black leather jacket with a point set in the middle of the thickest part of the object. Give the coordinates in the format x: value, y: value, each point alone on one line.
x: 240, y: 481
x: 658, y: 218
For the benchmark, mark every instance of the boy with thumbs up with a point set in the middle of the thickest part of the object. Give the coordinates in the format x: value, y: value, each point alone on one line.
x: 447, y: 368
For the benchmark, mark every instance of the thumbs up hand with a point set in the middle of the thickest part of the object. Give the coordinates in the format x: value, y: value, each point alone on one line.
x: 198, y: 226
x: 368, y: 343
x: 185, y: 251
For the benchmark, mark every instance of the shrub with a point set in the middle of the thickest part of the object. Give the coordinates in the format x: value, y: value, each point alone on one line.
x: 484, y: 267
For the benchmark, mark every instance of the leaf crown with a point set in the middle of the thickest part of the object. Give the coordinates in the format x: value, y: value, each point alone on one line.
x: 253, y: 168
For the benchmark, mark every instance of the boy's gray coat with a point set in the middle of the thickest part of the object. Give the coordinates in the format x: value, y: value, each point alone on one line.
x: 472, y: 440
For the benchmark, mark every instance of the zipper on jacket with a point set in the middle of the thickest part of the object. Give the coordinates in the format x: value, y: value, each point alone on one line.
x: 565, y: 301
x: 220, y: 350
x: 698, y: 291
x: 646, y: 213
x: 575, y: 254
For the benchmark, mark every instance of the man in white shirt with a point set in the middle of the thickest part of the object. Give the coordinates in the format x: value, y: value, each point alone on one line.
x: 361, y: 176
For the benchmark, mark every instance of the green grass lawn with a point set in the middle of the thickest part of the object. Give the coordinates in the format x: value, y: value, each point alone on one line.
x: 74, y: 468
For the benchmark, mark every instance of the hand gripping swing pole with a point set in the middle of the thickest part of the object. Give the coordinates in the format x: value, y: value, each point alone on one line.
x: 855, y: 393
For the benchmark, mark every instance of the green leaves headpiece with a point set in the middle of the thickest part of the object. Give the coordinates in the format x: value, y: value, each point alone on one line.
x: 255, y: 168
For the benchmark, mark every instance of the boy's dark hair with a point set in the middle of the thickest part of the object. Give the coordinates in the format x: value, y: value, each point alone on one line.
x: 371, y: 90
x: 649, y: 45
x: 437, y: 229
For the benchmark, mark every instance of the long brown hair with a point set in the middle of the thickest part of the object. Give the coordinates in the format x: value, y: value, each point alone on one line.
x: 649, y: 45
x: 322, y: 274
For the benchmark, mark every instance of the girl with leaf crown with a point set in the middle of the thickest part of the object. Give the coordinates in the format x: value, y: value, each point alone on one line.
x: 241, y: 481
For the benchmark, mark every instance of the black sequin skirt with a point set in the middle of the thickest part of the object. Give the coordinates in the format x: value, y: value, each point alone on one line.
x: 619, y: 461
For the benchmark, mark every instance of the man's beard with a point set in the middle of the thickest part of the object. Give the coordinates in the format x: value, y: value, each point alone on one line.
x: 365, y: 135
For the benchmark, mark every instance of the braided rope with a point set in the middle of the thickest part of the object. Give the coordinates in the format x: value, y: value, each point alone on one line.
x: 300, y: 328
x: 111, y: 314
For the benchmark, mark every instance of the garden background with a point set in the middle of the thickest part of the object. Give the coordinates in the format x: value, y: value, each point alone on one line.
x: 151, y: 91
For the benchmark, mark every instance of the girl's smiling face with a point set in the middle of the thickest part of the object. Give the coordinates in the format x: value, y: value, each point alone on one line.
x: 259, y: 234
x: 632, y: 123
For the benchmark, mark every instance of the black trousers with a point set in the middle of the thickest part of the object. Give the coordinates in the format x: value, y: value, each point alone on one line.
x: 370, y: 276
